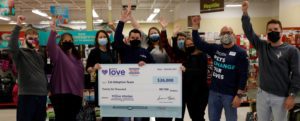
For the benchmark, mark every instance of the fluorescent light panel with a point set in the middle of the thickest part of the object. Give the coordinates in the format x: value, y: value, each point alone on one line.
x: 233, y: 5
x: 151, y: 17
x: 95, y: 15
x: 40, y: 13
x: 156, y: 10
x: 4, y: 18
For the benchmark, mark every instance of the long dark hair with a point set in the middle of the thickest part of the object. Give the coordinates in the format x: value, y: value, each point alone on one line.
x: 150, y: 43
x: 74, y: 50
x: 97, y: 45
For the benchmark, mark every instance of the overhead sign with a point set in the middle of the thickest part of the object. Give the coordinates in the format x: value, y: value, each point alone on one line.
x: 7, y: 8
x: 61, y: 14
x: 80, y: 37
x: 207, y: 6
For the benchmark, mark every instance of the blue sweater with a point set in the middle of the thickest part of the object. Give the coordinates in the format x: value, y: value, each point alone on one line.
x: 230, y: 65
x: 127, y: 53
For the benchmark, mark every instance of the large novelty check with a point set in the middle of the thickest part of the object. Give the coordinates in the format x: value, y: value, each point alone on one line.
x: 127, y: 90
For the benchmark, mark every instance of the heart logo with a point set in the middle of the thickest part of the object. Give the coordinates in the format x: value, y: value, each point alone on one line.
x: 104, y: 72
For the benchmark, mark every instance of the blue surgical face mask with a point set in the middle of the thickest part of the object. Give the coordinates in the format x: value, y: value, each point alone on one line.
x: 180, y: 44
x: 154, y: 37
x: 102, y: 41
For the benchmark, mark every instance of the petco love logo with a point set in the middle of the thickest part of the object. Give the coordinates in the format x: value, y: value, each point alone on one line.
x: 113, y: 72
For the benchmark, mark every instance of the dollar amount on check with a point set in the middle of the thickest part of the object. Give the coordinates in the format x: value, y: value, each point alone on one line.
x: 127, y: 90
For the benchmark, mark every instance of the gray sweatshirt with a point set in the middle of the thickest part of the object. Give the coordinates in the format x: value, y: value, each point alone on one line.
x: 30, y: 67
x: 279, y: 67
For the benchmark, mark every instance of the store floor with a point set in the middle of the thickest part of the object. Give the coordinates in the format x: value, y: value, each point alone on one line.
x: 10, y: 115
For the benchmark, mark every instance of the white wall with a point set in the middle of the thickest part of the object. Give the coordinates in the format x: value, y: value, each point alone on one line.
x: 289, y: 13
x: 260, y: 13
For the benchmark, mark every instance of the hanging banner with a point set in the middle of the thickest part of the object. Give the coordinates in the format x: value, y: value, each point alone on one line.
x: 127, y: 90
x: 80, y: 37
x: 5, y: 38
x: 207, y: 6
x: 60, y: 13
x: 7, y: 8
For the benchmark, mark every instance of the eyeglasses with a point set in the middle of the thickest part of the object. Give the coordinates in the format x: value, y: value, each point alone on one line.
x: 229, y: 32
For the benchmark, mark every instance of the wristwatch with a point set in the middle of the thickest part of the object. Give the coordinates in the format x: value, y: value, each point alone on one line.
x: 240, y: 95
x: 292, y: 94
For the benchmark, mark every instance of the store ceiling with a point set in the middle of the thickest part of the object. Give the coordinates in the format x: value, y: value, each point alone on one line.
x: 77, y: 8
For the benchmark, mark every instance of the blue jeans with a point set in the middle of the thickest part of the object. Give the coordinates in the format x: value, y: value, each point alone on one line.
x: 268, y: 104
x: 31, y: 108
x: 218, y: 101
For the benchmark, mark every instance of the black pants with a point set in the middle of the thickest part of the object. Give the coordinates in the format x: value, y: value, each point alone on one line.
x: 66, y: 106
x: 110, y: 119
x: 195, y: 97
x: 31, y: 108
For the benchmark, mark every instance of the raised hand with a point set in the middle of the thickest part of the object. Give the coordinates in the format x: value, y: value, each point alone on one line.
x: 53, y: 24
x: 196, y: 22
x: 176, y: 29
x: 163, y: 22
x: 126, y: 14
x: 245, y: 6
x: 20, y: 20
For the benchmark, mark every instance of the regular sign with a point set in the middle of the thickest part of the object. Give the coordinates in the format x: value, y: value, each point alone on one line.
x: 80, y: 37
x: 127, y: 90
x: 207, y: 6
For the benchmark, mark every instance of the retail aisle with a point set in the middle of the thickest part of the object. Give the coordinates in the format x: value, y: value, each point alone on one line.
x: 10, y: 115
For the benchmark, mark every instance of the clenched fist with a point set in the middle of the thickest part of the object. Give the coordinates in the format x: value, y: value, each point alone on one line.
x: 245, y: 6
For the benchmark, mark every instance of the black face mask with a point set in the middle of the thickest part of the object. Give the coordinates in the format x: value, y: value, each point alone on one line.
x: 67, y: 45
x: 274, y: 36
x: 190, y: 50
x: 135, y: 43
x: 29, y: 45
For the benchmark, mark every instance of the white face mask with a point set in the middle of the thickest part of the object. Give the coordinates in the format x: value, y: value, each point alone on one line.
x: 227, y: 39
x: 102, y: 41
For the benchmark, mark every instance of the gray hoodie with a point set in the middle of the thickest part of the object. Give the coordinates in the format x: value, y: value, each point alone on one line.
x: 279, y: 67
x: 30, y: 67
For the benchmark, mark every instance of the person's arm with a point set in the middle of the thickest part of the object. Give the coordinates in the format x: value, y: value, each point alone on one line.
x: 242, y: 70
x: 295, y: 68
x: 248, y: 29
x: 165, y: 44
x: 199, y: 43
x: 53, y: 48
x: 90, y: 61
x: 125, y: 16
x: 13, y: 44
x: 119, y: 43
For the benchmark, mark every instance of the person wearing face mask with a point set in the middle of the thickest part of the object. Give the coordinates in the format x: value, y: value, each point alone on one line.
x: 132, y: 53
x: 32, y: 82
x: 176, y: 54
x: 195, y: 82
x: 67, y: 80
x: 155, y: 47
x: 279, y: 70
x: 230, y: 72
x: 101, y: 54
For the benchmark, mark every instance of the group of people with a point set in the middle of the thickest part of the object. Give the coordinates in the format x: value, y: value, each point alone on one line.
x: 279, y: 69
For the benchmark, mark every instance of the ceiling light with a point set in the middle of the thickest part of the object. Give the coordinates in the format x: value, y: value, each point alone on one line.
x: 4, y: 18
x: 151, y: 17
x: 78, y: 22
x: 45, y: 22
x: 156, y: 10
x: 95, y: 15
x: 233, y: 5
x: 12, y: 22
x: 98, y: 21
x: 40, y: 13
